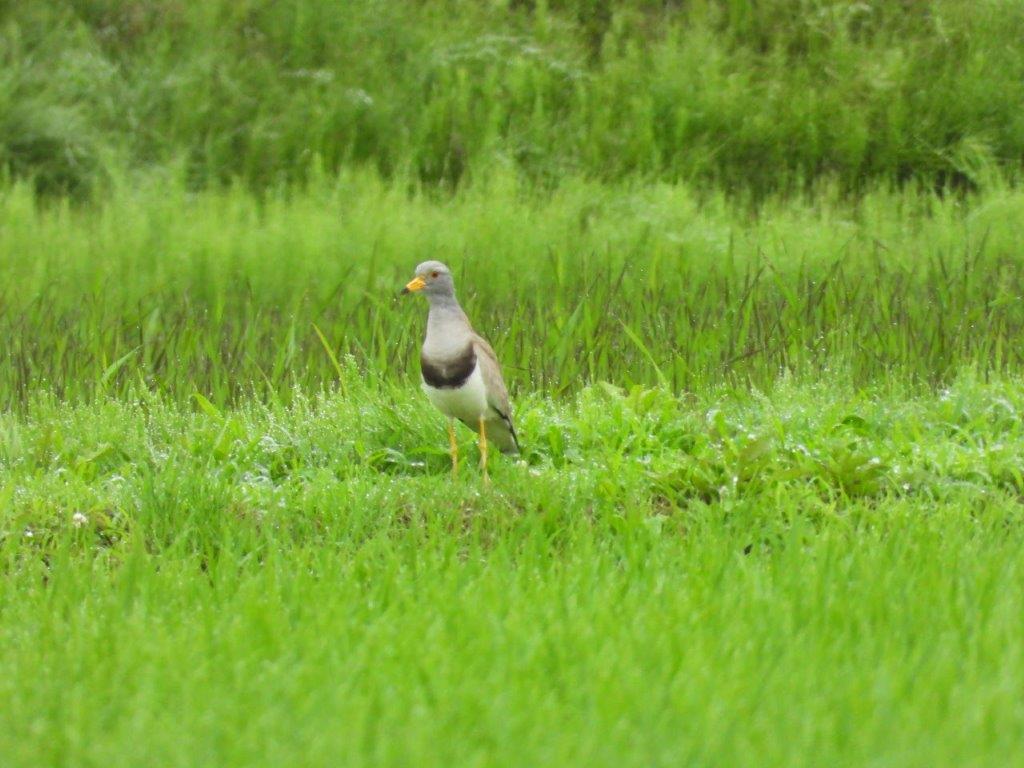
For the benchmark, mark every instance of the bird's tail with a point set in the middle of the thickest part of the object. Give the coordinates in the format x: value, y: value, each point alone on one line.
x: 501, y: 432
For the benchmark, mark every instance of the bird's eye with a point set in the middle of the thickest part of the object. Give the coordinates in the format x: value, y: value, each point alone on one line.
x: 435, y: 274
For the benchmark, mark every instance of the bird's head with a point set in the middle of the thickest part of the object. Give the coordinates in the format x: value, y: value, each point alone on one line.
x: 433, y: 279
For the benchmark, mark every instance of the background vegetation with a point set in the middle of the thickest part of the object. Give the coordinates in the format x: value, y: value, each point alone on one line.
x: 753, y: 269
x: 750, y: 96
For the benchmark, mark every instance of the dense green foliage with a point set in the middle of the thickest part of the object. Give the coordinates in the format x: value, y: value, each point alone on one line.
x: 752, y: 96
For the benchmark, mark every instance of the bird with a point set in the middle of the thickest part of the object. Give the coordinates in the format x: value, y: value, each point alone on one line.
x: 461, y: 373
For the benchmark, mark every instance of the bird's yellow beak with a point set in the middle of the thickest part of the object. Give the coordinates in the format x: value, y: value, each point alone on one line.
x: 416, y: 284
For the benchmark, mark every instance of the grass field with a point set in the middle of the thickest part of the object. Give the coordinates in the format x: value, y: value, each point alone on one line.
x: 755, y: 275
x: 817, y: 577
x: 768, y: 512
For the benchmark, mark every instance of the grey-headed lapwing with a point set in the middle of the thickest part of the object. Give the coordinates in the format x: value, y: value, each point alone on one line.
x: 461, y: 374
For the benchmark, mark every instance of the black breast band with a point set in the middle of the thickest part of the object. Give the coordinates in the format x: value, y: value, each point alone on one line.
x: 451, y: 373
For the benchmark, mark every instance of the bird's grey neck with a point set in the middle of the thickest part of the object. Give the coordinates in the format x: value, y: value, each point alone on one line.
x: 447, y: 329
x: 444, y: 302
x: 444, y: 310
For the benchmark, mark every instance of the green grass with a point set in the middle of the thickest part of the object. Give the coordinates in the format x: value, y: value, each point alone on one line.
x: 221, y: 293
x: 819, y: 576
x: 751, y: 96
x: 769, y: 511
x: 754, y: 273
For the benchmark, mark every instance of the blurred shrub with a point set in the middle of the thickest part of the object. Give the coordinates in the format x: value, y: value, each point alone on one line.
x: 752, y: 96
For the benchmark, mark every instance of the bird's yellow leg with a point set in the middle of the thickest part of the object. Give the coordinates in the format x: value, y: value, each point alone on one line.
x: 483, y: 449
x: 453, y: 447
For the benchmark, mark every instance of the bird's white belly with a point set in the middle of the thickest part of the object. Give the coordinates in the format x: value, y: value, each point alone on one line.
x: 467, y: 403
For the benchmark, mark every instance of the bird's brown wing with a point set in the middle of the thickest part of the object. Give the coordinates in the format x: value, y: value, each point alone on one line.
x: 490, y: 370
x: 494, y: 385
